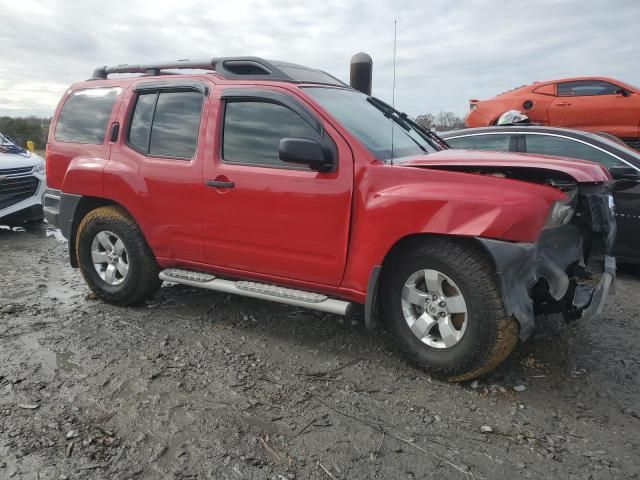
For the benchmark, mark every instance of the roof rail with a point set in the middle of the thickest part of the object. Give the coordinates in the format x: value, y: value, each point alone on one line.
x: 249, y: 68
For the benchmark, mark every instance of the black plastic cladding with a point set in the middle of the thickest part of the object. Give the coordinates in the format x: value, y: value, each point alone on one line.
x: 233, y: 68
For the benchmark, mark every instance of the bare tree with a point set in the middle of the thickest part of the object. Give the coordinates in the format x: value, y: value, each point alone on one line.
x: 427, y: 120
x: 441, y: 121
x: 448, y: 121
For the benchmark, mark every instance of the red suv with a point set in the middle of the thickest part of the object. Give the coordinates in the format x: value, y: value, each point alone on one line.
x: 277, y: 181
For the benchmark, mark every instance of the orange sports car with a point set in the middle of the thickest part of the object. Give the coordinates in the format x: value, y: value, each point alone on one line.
x: 585, y: 103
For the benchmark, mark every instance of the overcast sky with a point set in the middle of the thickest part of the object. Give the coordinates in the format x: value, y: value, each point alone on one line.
x: 448, y: 51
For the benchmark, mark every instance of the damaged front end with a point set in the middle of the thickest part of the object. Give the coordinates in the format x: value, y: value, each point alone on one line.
x: 569, y: 270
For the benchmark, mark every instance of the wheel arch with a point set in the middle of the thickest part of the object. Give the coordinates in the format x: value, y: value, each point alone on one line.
x: 404, y: 244
x: 413, y: 240
x: 85, y: 205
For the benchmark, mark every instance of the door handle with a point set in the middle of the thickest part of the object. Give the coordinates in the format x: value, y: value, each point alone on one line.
x: 563, y: 104
x: 220, y: 184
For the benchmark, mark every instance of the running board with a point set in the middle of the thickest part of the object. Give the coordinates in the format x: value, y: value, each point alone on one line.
x: 289, y: 296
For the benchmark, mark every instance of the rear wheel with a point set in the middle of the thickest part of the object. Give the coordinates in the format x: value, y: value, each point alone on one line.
x: 114, y: 258
x: 443, y: 301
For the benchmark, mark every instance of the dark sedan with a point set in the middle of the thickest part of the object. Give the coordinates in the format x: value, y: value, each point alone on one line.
x: 623, y: 163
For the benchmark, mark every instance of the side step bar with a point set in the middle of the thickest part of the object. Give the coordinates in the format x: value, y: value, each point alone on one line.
x: 289, y: 296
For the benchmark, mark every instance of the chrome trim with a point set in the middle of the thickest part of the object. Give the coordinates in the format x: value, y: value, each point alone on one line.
x: 288, y: 296
x: 550, y: 135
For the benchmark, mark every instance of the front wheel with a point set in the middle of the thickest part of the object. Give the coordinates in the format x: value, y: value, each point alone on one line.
x: 443, y: 302
x: 114, y: 257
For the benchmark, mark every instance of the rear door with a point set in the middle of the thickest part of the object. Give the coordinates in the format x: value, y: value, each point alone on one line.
x: 595, y: 105
x: 264, y: 216
x: 155, y: 168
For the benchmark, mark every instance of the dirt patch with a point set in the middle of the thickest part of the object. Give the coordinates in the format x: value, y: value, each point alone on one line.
x: 204, y: 386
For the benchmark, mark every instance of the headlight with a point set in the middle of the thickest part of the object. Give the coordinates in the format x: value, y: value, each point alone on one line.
x: 40, y: 168
x: 561, y: 214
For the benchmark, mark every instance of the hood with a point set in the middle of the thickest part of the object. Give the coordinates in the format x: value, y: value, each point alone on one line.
x: 14, y: 160
x: 580, y: 170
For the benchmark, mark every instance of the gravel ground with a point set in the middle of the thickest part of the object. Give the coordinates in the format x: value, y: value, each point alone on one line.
x: 199, y: 385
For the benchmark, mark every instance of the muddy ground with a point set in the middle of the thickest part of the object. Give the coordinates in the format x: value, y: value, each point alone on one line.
x: 199, y: 385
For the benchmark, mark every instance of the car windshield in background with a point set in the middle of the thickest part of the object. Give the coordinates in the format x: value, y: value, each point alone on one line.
x: 386, y: 135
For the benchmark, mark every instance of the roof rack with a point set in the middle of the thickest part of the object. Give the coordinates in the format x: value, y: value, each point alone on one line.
x: 249, y: 68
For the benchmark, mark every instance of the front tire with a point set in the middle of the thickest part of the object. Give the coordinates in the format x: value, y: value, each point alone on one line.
x: 443, y: 301
x: 114, y: 258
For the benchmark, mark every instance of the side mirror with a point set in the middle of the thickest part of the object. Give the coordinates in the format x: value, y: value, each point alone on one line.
x: 305, y: 151
x: 624, y: 173
x: 623, y: 92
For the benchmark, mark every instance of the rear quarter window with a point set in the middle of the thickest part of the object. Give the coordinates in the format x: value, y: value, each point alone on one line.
x: 85, y: 114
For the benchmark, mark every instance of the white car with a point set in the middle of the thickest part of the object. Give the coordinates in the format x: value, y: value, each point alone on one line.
x: 22, y: 184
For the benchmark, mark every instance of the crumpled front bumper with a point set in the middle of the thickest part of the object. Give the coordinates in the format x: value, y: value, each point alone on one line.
x: 557, y: 258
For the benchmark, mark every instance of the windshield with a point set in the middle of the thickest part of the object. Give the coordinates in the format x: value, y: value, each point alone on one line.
x: 384, y: 133
x: 8, y: 146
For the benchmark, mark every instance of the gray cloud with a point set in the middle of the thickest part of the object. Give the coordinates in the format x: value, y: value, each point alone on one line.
x: 448, y: 52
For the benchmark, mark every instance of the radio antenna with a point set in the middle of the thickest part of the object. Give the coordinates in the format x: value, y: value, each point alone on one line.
x: 393, y: 88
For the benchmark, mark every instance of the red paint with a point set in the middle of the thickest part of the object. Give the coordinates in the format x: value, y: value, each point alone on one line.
x: 580, y: 170
x: 317, y: 231
x: 615, y: 114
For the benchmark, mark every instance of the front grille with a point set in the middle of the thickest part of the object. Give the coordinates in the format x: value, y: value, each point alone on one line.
x: 14, y: 171
x: 14, y: 190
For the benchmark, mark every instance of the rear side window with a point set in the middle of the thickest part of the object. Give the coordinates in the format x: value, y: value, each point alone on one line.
x: 253, y: 130
x: 586, y: 88
x: 166, y: 124
x: 85, y: 114
x: 565, y: 147
x: 494, y: 142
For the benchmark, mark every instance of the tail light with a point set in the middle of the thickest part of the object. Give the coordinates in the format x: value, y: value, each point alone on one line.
x: 46, y: 158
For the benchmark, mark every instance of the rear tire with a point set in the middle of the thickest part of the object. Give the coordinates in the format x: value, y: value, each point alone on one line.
x: 443, y: 301
x: 114, y: 258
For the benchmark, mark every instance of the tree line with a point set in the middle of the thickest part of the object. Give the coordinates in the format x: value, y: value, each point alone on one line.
x: 441, y: 121
x: 23, y: 129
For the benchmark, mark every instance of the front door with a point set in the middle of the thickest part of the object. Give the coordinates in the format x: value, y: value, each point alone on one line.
x: 265, y: 216
x: 595, y: 105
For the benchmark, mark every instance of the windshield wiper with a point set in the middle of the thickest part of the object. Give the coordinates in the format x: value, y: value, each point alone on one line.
x: 404, y: 119
x: 393, y: 115
x: 389, y: 112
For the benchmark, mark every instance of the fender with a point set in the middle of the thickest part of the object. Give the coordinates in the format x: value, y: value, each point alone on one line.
x: 394, y: 202
x: 84, y: 176
x: 84, y: 182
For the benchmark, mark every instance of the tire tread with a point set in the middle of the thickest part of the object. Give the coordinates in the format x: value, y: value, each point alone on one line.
x: 467, y: 256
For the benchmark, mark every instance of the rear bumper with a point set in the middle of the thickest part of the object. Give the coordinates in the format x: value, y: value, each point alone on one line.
x: 51, y: 206
x: 59, y: 210
x: 550, y: 276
